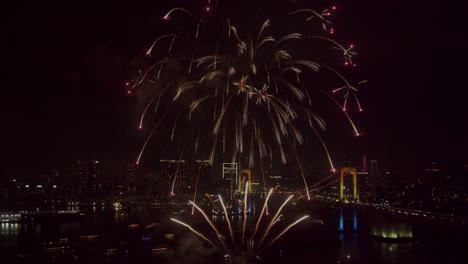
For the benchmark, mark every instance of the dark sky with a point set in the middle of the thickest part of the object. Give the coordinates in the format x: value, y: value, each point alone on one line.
x: 64, y: 66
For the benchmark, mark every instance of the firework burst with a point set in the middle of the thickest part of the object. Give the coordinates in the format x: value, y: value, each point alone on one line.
x: 253, y: 238
x: 241, y: 79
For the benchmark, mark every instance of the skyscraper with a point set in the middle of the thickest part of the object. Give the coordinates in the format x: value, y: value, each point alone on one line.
x: 130, y: 178
x: 229, y: 177
x: 90, y: 180
x: 374, y: 171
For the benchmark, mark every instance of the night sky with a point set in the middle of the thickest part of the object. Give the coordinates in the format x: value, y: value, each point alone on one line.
x: 64, y: 67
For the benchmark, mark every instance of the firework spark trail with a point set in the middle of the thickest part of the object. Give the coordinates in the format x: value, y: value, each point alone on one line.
x: 358, y: 103
x: 142, y: 78
x: 271, y: 154
x: 315, y: 13
x: 286, y: 230
x: 347, y: 84
x: 213, y: 150
x: 325, y: 148
x: 301, y: 169
x: 347, y: 53
x: 330, y: 40
x: 245, y: 211
x: 146, y: 109
x: 261, y: 213
x: 211, y: 200
x: 172, y: 44
x: 196, y: 187
x: 349, y: 88
x: 248, y: 242
x: 218, y: 235
x: 278, y: 140
x: 221, y: 116
x: 167, y: 16
x: 198, y: 30
x: 194, y: 231
x: 352, y: 124
x: 196, y: 142
x: 163, y: 63
x: 227, y: 218
x: 261, y: 168
x: 345, y: 100
x: 148, y: 53
x: 356, y: 132
x: 174, y: 127
x: 177, y: 171
x: 148, y: 138
x: 273, y: 220
x: 264, y: 26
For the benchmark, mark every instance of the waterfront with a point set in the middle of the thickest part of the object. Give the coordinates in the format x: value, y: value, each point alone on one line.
x: 139, y: 234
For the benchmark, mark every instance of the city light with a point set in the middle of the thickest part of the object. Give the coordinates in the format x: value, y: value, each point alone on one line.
x: 152, y: 132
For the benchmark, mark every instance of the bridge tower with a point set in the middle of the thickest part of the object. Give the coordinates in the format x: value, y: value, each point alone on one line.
x: 353, y: 172
x: 245, y: 175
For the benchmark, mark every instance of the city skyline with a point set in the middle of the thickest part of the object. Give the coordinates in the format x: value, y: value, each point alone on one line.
x: 221, y: 131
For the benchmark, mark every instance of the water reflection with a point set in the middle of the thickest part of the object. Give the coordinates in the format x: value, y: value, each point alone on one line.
x: 389, y: 228
x: 8, y: 238
x: 342, y: 226
x: 155, y: 234
x: 9, y: 228
x: 396, y: 231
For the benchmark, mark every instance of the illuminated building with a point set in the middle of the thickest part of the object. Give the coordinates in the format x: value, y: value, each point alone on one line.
x: 366, y: 187
x: 425, y: 185
x: 433, y: 174
x: 144, y: 178
x: 229, y: 177
x: 374, y: 171
x: 130, y: 177
x: 90, y: 180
